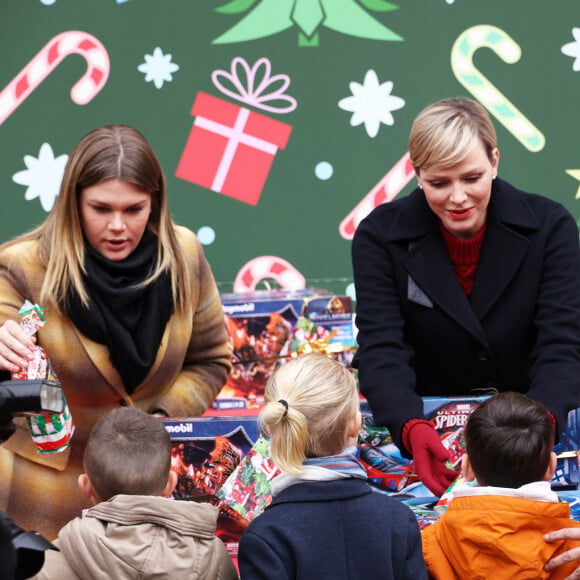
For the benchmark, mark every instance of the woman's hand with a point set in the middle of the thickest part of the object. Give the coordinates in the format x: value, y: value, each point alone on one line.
x: 569, y: 556
x: 16, y: 347
x: 430, y: 457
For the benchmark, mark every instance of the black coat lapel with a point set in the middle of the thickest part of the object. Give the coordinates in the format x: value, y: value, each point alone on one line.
x: 428, y: 263
x: 502, y: 253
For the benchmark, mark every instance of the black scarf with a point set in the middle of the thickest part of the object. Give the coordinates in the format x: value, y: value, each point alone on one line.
x: 129, y: 321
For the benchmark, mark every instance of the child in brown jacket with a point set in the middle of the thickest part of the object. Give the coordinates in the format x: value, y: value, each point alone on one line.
x: 134, y: 529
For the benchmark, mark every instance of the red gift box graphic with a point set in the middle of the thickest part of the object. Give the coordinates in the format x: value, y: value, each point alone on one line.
x: 230, y: 149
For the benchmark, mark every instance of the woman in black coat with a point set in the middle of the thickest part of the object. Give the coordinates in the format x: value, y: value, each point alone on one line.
x: 466, y: 286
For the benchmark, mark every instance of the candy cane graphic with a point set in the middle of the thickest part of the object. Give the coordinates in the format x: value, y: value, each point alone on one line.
x: 32, y: 75
x: 485, y: 92
x: 268, y: 267
x: 385, y: 190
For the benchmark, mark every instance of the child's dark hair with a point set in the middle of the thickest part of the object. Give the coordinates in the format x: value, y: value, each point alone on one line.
x: 509, y: 439
x: 128, y: 452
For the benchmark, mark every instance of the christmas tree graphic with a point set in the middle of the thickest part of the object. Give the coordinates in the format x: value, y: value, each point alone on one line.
x: 269, y: 17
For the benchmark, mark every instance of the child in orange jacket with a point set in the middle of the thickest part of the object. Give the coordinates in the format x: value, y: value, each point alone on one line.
x: 495, y: 529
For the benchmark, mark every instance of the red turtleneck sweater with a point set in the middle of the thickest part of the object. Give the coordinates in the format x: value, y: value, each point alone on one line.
x: 464, y: 255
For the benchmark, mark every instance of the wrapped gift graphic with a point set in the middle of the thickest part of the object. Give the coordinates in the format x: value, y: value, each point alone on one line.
x: 230, y: 148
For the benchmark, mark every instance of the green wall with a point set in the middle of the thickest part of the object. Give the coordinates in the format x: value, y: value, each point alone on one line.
x: 326, y: 48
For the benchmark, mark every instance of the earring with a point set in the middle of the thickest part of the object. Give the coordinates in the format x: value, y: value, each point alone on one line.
x: 494, y: 176
x: 419, y: 185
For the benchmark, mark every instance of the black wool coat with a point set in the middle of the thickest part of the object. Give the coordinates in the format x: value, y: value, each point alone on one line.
x: 419, y: 335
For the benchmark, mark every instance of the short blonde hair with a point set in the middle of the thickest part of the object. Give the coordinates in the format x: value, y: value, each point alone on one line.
x: 309, y: 403
x: 443, y: 134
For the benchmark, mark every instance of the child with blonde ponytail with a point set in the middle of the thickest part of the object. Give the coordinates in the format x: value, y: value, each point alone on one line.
x: 325, y: 520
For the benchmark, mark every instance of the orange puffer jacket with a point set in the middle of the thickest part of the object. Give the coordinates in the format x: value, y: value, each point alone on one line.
x: 483, y: 537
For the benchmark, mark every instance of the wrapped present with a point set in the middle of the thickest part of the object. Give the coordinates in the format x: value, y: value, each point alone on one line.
x: 444, y: 501
x: 230, y: 148
x: 247, y: 491
x: 268, y: 327
x: 50, y: 432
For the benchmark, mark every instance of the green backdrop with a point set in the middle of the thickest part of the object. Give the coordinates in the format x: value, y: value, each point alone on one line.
x: 358, y: 71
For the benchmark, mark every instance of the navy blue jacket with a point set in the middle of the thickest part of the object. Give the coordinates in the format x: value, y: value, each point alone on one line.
x: 419, y: 335
x: 340, y: 530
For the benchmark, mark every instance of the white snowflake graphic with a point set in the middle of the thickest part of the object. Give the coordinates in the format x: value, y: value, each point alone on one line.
x: 573, y: 49
x: 158, y: 68
x: 371, y: 103
x: 43, y: 176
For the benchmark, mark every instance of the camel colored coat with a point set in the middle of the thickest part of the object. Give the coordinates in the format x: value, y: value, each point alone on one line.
x: 39, y: 491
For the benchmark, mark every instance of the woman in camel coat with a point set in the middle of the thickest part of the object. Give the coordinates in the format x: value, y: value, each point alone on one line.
x: 133, y: 315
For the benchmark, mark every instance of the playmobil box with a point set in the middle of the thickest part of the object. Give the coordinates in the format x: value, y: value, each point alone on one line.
x: 206, y: 450
x: 205, y: 453
x: 268, y: 327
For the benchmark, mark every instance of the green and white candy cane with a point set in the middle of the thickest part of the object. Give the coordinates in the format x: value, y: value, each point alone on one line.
x: 483, y: 90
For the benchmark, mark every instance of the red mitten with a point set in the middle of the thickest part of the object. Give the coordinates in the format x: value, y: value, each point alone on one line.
x: 429, y: 455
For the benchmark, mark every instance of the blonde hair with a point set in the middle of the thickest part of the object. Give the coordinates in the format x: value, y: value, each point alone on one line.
x: 443, y: 134
x: 309, y: 403
x: 110, y: 152
x: 128, y: 452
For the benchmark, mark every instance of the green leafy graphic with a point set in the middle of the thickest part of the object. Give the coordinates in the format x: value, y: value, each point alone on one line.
x: 268, y: 17
x: 378, y: 5
x: 236, y: 6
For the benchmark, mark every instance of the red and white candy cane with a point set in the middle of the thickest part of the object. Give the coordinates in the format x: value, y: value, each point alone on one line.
x: 385, y: 190
x: 265, y: 267
x: 32, y: 75
x: 485, y: 35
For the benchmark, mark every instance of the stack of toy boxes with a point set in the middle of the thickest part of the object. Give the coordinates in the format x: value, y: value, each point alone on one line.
x: 268, y: 327
x: 206, y: 450
x: 225, y: 460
